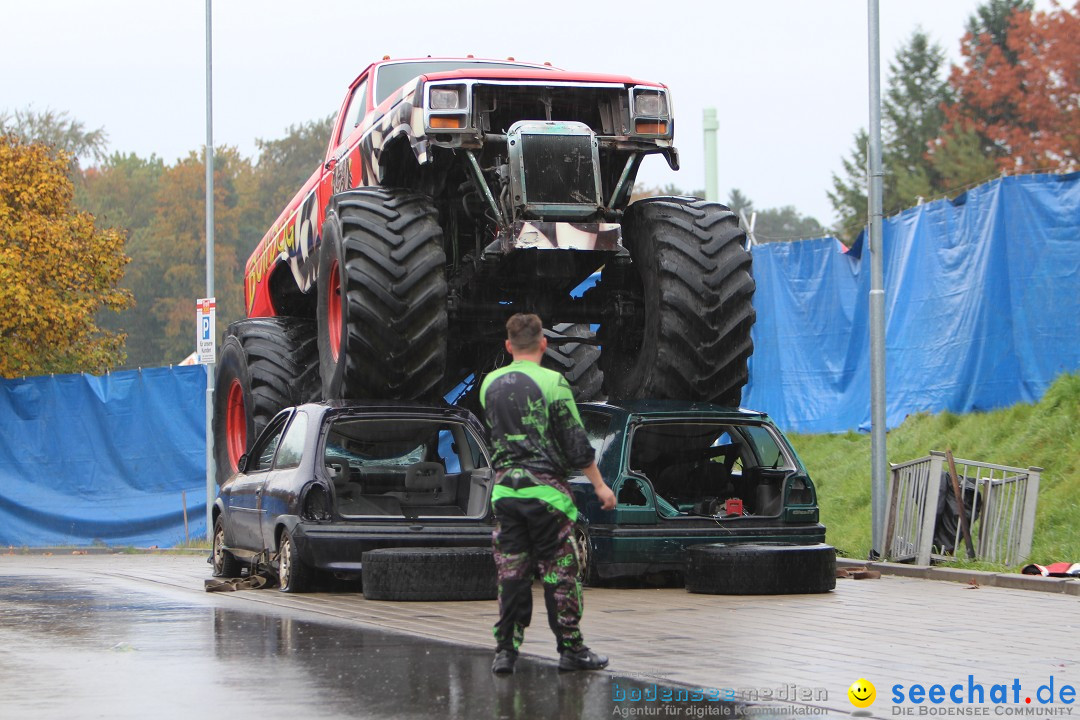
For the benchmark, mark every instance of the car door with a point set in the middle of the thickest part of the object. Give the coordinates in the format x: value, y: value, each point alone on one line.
x: 281, y: 491
x: 244, y: 501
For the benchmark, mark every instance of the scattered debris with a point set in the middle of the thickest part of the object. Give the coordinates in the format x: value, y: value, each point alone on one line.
x: 252, y: 582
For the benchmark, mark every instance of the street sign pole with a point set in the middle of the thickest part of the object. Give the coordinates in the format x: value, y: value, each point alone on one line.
x: 211, y: 480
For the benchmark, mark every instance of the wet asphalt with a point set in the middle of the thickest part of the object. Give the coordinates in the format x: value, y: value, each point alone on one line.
x: 73, y: 647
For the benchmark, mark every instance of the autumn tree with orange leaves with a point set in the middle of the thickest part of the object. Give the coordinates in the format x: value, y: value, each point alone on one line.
x: 57, y: 269
x: 1021, y: 96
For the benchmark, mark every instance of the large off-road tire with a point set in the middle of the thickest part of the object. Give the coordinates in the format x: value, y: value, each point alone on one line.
x: 223, y: 561
x: 265, y: 365
x: 579, y: 363
x: 439, y: 573
x: 692, y: 284
x: 382, y: 296
x: 761, y: 569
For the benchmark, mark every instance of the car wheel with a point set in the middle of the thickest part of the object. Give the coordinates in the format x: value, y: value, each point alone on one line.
x: 382, y: 299
x: 761, y: 569
x: 293, y: 575
x: 587, y: 571
x: 448, y: 573
x: 225, y: 565
x: 691, y: 285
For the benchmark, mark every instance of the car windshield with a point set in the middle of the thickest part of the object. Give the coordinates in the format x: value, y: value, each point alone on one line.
x: 697, y: 467
x: 393, y: 75
x: 395, y: 467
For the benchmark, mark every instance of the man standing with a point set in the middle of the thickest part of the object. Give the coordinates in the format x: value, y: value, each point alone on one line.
x: 538, y: 440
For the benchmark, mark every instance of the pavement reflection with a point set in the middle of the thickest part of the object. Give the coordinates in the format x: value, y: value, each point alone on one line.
x: 73, y: 648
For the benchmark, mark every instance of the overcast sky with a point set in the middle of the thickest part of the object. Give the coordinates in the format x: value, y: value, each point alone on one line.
x: 788, y: 77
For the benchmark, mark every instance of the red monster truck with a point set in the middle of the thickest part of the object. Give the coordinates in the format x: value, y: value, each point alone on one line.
x: 456, y: 192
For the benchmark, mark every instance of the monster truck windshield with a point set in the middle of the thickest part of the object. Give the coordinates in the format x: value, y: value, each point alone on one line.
x: 393, y: 75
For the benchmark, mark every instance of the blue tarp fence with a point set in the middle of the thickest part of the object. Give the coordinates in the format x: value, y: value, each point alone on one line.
x: 982, y: 306
x: 982, y: 311
x: 103, y: 460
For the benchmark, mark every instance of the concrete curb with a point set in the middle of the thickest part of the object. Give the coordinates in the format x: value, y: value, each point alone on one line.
x: 983, y: 578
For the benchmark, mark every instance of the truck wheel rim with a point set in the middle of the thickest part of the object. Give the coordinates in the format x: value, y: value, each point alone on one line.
x: 235, y: 424
x: 333, y: 304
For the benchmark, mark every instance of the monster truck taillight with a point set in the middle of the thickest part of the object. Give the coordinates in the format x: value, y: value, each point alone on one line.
x: 554, y: 169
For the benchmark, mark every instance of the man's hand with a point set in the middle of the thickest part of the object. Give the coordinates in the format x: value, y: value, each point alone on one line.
x: 603, y: 492
x: 606, y: 497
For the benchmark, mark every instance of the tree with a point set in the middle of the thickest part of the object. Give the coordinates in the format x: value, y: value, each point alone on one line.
x: 285, y: 164
x: 988, y: 26
x: 57, y: 130
x: 738, y: 202
x: 1018, y: 87
x: 57, y: 270
x: 848, y: 196
x: 121, y: 192
x: 170, y: 268
x: 785, y: 223
x: 913, y: 112
x: 774, y: 224
x: 912, y: 118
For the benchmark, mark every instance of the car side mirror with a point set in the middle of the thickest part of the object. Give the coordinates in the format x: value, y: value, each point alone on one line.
x: 241, y: 464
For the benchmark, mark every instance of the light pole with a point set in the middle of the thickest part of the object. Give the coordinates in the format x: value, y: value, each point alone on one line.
x: 877, y: 293
x: 211, y: 480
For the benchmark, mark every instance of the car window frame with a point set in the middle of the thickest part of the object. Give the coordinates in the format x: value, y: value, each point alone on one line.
x: 360, y: 91
x: 293, y: 423
x: 270, y: 429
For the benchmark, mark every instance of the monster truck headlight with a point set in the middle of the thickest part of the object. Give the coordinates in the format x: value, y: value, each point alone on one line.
x: 447, y: 106
x: 650, y: 112
x: 446, y: 98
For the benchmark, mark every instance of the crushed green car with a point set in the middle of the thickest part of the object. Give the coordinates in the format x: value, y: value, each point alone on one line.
x: 688, y: 474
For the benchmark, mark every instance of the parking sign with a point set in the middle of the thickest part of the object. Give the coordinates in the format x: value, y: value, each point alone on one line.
x: 205, y: 333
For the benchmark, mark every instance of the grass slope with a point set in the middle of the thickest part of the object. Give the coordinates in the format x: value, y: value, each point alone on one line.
x: 1045, y: 435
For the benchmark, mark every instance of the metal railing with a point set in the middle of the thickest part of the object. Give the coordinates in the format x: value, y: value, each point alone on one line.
x: 998, y: 501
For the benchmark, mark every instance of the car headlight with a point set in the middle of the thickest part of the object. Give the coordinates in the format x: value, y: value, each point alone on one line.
x: 446, y: 98
x: 650, y: 104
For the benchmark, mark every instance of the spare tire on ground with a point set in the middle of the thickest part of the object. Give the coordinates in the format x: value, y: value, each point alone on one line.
x: 434, y: 573
x: 761, y: 569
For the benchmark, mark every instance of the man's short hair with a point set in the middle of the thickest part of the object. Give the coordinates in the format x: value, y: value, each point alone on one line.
x: 524, y: 331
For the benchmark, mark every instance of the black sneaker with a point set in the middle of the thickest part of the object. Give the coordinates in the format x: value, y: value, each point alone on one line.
x: 504, y: 662
x: 584, y: 659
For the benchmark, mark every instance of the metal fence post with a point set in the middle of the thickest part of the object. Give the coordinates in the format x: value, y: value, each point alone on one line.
x: 929, y: 508
x: 1027, y: 526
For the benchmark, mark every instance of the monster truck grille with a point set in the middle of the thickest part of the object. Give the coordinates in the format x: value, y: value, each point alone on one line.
x: 559, y: 169
x: 554, y: 170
